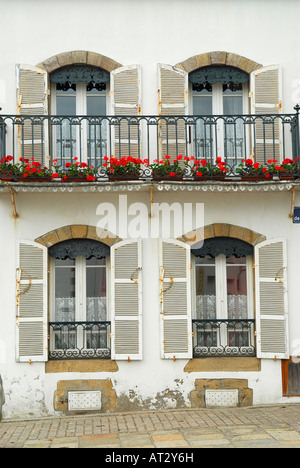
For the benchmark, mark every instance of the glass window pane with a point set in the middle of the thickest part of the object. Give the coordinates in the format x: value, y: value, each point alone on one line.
x: 205, y: 292
x: 64, y: 292
x: 203, y: 138
x: 93, y: 261
x: 237, y: 292
x: 202, y: 105
x: 96, y: 105
x: 97, y: 133
x: 66, y: 102
x: 232, y: 105
x: 207, y: 260
x: 96, y: 293
x: 234, y: 260
x: 65, y: 134
x: 64, y: 263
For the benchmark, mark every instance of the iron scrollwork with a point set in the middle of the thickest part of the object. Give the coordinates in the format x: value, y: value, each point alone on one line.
x: 79, y: 247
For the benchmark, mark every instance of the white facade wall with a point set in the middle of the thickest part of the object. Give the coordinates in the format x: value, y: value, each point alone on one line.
x: 146, y: 33
x: 30, y: 391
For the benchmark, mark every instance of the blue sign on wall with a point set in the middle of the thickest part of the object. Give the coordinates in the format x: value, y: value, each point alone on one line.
x: 296, y: 216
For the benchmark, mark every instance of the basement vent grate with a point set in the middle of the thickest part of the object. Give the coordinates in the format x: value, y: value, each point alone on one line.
x: 84, y: 401
x: 221, y: 398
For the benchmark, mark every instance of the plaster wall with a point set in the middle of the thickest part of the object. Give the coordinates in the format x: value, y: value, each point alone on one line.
x: 149, y: 32
x: 152, y: 382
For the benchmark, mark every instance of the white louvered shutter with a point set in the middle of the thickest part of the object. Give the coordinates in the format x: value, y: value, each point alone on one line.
x: 266, y: 98
x: 175, y: 300
x: 172, y: 101
x: 126, y: 101
x: 31, y: 302
x: 271, y: 299
x: 32, y: 99
x: 126, y: 300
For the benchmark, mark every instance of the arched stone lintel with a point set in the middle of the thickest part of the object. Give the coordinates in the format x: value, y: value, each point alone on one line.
x: 222, y: 230
x: 78, y: 231
x: 218, y: 58
x: 78, y: 57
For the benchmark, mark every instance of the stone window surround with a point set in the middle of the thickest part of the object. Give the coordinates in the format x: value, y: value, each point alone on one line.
x: 80, y: 231
x: 222, y: 230
x: 77, y: 57
x: 108, y: 238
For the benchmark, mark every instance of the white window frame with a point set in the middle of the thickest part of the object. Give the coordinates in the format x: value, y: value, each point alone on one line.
x: 80, y: 297
x: 221, y: 289
x: 218, y: 109
x: 81, y: 109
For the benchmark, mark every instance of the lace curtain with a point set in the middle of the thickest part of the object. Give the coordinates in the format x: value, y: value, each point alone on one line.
x: 65, y: 309
x: 206, y: 307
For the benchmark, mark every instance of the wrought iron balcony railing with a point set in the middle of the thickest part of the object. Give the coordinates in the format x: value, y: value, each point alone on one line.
x: 79, y: 340
x: 232, y: 337
x: 234, y: 138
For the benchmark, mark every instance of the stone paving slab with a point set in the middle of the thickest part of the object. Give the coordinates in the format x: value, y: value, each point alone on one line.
x: 276, y: 426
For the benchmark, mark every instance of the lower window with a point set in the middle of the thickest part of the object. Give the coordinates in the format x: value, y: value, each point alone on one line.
x: 79, y: 326
x: 223, y: 321
x: 291, y: 377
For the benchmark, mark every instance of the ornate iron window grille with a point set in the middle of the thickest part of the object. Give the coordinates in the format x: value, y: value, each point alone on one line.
x: 79, y: 340
x: 232, y: 337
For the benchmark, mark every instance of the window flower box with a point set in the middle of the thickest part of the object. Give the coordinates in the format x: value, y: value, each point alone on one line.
x: 125, y: 168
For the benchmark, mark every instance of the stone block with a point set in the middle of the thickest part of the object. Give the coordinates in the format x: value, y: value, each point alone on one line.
x: 218, y: 58
x: 203, y: 60
x: 195, y: 237
x: 79, y: 57
x: 245, y: 394
x: 50, y: 239
x: 233, y: 60
x: 65, y: 59
x: 79, y: 231
x: 236, y: 232
x: 248, y: 65
x: 109, y: 64
x: 94, y: 59
x: 64, y: 233
x: 197, y: 399
x: 250, y: 236
x: 209, y: 232
x: 221, y: 230
x: 51, y: 64
x: 108, y: 394
x: 246, y: 397
x: 90, y: 365
x: 92, y: 233
x: 190, y: 64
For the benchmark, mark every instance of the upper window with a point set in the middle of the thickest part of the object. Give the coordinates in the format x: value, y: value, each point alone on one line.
x: 79, y: 91
x: 220, y: 91
x: 224, y: 298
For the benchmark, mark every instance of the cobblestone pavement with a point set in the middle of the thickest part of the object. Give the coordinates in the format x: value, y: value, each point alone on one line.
x: 253, y: 427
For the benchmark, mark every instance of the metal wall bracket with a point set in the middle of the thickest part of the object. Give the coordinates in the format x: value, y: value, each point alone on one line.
x: 12, y: 195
